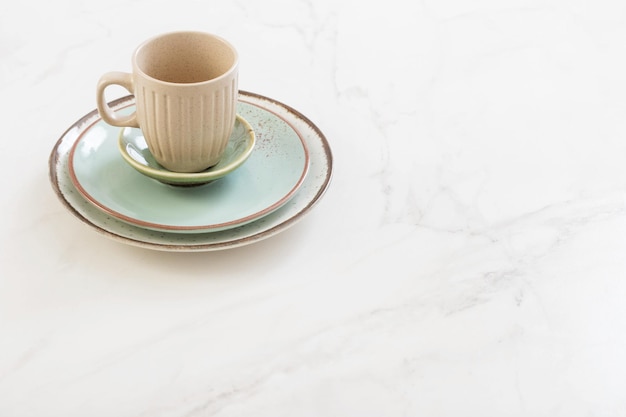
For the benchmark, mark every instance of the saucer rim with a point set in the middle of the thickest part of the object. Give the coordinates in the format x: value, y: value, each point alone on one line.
x: 284, y: 218
x: 189, y: 177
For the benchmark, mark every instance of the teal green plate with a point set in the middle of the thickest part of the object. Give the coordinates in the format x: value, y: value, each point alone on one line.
x: 271, y: 176
x: 134, y: 150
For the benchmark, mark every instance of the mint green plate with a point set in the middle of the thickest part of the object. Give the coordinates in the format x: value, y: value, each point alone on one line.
x: 134, y: 150
x: 308, y: 196
x: 267, y: 180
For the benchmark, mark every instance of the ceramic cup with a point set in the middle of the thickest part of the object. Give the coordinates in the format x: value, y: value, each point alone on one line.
x: 185, y: 87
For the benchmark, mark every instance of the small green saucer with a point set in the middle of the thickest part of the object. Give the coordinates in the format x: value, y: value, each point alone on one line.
x: 134, y: 150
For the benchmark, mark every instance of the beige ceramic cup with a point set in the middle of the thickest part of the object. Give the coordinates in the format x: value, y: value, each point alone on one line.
x: 185, y: 87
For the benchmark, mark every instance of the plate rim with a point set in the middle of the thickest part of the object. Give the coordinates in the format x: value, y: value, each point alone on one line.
x: 238, y: 241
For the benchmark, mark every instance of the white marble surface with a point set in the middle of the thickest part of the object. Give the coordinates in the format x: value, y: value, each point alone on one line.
x: 469, y: 258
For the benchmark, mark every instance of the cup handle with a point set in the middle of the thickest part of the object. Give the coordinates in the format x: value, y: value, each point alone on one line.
x: 125, y: 80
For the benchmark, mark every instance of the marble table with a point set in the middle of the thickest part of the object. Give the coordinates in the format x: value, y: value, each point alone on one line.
x: 468, y: 258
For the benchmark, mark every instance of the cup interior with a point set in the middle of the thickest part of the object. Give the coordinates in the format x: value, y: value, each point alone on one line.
x: 186, y: 57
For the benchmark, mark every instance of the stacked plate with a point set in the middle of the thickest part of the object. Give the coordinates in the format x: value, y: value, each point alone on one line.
x: 277, y: 166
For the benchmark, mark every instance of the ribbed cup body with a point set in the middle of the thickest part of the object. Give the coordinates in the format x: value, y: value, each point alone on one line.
x: 186, y: 126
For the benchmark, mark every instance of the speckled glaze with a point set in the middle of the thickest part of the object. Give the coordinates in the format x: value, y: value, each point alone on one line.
x: 134, y: 149
x: 309, y: 194
x: 185, y: 84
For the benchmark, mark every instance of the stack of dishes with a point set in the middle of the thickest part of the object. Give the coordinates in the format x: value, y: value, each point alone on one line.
x: 276, y: 168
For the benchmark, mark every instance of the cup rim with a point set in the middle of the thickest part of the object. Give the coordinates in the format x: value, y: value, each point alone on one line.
x: 226, y: 73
